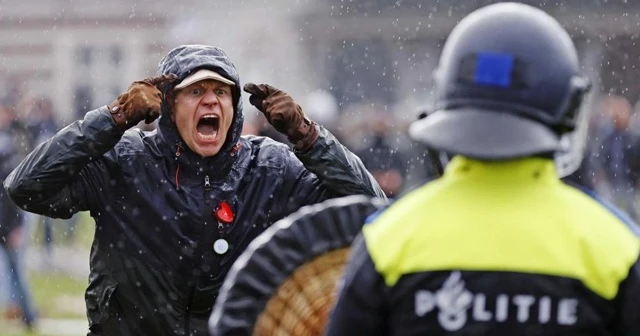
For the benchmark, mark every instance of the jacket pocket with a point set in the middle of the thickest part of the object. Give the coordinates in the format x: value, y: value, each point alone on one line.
x: 100, y: 299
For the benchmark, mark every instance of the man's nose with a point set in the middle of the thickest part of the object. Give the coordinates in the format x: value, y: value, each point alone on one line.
x: 210, y: 97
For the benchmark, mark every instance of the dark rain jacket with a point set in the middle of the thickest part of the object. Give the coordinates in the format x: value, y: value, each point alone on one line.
x: 154, y: 270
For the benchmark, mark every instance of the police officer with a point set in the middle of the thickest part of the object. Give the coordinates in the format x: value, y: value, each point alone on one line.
x: 498, y: 245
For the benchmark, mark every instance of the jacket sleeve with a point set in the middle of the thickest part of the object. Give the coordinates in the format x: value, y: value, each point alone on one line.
x: 67, y: 173
x: 340, y: 171
x: 627, y: 322
x: 360, y: 307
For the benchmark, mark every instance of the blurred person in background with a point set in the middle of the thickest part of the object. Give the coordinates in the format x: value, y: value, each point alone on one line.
x: 40, y: 120
x: 619, y: 156
x: 175, y: 207
x: 385, y: 161
x: 12, y: 232
x: 38, y: 117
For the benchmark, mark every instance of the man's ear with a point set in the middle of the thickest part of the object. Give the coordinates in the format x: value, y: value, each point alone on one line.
x: 171, y: 101
x: 172, y: 105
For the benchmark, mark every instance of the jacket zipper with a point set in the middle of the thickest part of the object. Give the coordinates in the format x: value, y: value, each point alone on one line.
x: 207, y: 189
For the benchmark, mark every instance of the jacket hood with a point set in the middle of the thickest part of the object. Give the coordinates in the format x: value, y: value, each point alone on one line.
x: 185, y: 60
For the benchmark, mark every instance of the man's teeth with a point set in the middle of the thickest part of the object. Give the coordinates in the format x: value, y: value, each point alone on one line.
x: 208, y: 136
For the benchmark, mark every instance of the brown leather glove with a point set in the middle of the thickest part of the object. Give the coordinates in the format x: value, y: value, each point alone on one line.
x: 142, y: 101
x: 284, y: 114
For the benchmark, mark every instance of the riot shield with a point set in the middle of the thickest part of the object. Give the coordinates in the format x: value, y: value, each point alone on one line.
x: 285, y: 282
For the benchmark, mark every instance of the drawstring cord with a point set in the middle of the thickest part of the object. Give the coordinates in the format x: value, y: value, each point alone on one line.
x: 177, y: 169
x: 235, y: 149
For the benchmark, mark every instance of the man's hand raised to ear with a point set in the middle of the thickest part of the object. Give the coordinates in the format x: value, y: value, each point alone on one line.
x: 286, y: 116
x: 141, y: 101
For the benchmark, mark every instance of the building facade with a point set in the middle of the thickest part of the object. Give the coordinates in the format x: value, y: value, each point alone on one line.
x: 81, y: 54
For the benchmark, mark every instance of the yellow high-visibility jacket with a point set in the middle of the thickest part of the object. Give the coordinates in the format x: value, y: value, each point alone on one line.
x: 493, y: 248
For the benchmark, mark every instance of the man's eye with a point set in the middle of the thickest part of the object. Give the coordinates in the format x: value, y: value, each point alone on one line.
x: 196, y: 91
x: 221, y: 92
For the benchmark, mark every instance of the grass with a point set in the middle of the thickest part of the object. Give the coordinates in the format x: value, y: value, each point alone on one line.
x: 83, y: 233
x: 53, y: 291
x: 58, y: 295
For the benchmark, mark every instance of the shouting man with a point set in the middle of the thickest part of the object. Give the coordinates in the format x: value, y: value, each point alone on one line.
x: 175, y: 207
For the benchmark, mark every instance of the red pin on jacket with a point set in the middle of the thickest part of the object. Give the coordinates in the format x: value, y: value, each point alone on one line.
x: 223, y: 213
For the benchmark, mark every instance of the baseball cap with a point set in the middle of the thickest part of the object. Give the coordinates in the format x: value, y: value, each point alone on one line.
x: 203, y: 74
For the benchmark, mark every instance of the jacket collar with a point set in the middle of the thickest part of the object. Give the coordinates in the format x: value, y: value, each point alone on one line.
x: 496, y: 172
x: 188, y: 162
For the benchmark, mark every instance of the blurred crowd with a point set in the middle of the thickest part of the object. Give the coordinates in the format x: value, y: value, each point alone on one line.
x: 379, y: 137
x: 25, y: 121
x: 612, y: 160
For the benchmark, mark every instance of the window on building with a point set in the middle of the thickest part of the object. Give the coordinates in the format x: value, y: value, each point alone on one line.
x: 115, y: 53
x: 82, y: 100
x: 84, y: 55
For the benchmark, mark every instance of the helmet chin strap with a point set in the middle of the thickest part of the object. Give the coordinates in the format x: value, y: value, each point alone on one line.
x: 574, y: 145
x: 438, y: 161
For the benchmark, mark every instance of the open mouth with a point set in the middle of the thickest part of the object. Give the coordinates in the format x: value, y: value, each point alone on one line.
x: 208, y: 126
